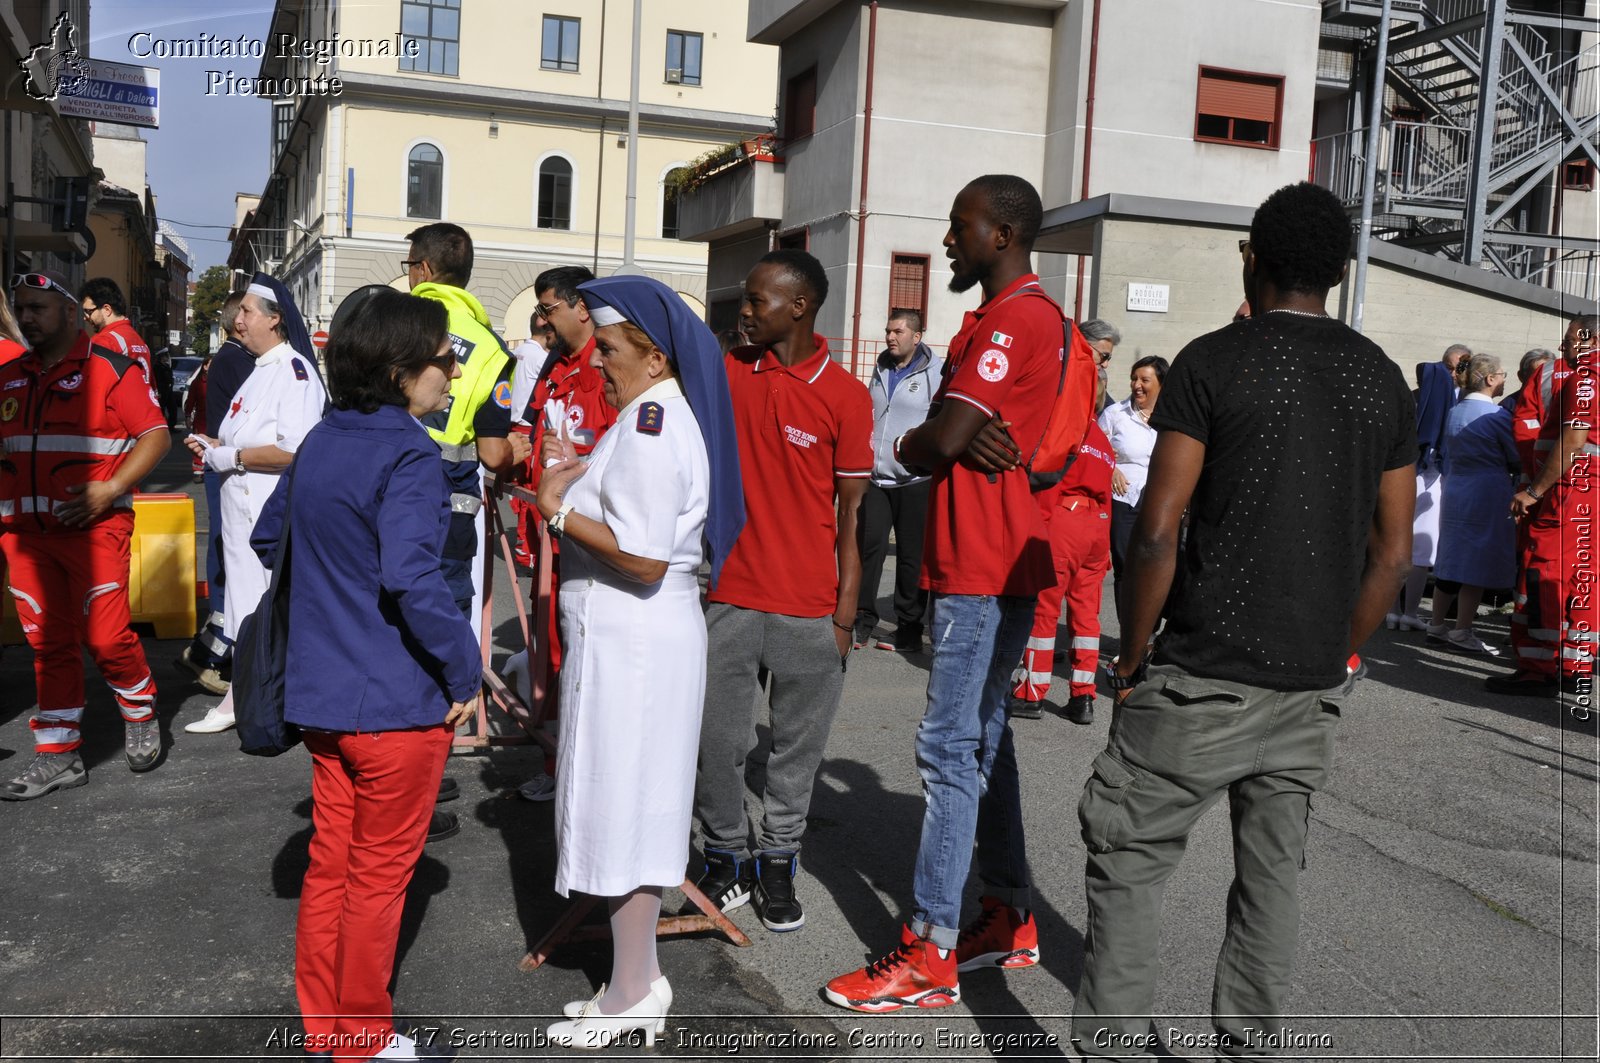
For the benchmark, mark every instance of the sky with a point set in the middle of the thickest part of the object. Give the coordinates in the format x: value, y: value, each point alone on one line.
x: 208, y: 147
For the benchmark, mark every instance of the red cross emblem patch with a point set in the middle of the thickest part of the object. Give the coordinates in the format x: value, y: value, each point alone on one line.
x: 992, y: 366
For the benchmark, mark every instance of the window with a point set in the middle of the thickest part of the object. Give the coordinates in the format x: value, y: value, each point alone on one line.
x: 555, y: 193
x: 433, y: 29
x: 800, y: 105
x: 683, y: 57
x: 1578, y: 176
x: 282, y: 125
x: 799, y: 239
x: 908, y: 283
x: 560, y: 50
x: 425, y: 182
x: 670, y: 192
x: 1235, y: 108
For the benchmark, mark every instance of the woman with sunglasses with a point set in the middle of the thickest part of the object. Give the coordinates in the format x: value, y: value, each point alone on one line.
x: 381, y: 664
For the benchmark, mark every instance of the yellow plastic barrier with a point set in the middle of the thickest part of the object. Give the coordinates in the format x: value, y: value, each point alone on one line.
x: 161, y: 571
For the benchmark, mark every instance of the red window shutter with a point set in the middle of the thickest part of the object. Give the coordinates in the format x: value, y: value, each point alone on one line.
x: 1232, y: 96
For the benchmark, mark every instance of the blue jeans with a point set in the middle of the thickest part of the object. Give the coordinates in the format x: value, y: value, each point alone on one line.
x: 967, y: 762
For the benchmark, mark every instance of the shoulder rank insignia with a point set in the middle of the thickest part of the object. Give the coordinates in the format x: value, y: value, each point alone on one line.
x: 650, y: 417
x: 299, y: 369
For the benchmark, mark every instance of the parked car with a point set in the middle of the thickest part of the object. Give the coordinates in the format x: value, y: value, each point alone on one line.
x: 184, y: 367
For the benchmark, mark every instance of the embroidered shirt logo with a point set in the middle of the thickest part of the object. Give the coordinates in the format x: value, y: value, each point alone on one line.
x: 71, y: 383
x: 1000, y: 339
x: 798, y: 437
x: 993, y: 365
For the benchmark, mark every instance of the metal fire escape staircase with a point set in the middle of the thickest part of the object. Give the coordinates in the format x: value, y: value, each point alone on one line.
x: 1484, y: 104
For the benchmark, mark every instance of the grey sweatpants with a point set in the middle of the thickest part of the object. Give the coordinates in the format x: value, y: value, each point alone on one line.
x: 807, y: 680
x: 1178, y: 744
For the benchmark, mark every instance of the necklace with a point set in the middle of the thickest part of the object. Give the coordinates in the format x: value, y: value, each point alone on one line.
x: 1297, y: 313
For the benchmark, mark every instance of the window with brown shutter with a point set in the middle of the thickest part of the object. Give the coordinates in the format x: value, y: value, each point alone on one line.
x: 908, y: 283
x: 800, y: 105
x: 1232, y: 107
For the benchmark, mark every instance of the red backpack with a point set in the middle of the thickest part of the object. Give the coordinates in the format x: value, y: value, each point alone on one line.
x: 1073, y: 408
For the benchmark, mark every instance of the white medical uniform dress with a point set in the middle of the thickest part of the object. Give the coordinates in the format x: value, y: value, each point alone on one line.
x: 633, y: 670
x: 277, y: 404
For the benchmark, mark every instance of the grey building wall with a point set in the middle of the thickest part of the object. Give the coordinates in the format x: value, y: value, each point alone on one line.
x: 1411, y: 315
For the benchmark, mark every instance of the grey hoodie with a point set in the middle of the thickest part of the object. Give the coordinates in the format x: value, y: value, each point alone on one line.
x: 894, y: 415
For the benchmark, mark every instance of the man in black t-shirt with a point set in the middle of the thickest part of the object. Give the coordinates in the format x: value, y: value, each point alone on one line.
x: 1290, y: 438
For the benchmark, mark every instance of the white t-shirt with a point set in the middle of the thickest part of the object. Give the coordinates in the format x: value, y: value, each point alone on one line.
x: 1133, y: 440
x: 530, y: 357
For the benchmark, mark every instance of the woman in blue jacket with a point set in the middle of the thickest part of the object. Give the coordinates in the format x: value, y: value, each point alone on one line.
x: 381, y: 663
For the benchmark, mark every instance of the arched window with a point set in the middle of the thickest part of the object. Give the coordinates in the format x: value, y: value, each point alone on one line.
x: 425, y: 182
x: 555, y: 193
x: 669, y: 203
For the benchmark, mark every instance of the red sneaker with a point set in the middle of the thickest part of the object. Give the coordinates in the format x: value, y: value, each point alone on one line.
x: 997, y: 938
x: 918, y: 974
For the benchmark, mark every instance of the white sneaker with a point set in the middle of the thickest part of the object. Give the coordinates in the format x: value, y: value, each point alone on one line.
x: 213, y: 722
x: 1408, y: 622
x: 1465, y: 641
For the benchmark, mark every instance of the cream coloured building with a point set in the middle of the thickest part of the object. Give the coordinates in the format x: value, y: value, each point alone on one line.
x: 507, y: 118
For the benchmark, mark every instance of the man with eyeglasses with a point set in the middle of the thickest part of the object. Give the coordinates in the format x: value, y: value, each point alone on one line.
x: 106, y: 311
x: 79, y: 429
x: 570, y: 390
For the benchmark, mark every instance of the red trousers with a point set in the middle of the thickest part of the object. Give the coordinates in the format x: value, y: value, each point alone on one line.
x: 71, y: 590
x: 1557, y: 623
x: 1080, y: 545
x: 372, y: 795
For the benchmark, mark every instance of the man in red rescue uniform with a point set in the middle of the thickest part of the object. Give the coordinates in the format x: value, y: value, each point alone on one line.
x: 79, y: 427
x: 576, y: 386
x: 1077, y: 516
x: 1534, y: 433
x: 1558, y: 592
x: 107, y: 313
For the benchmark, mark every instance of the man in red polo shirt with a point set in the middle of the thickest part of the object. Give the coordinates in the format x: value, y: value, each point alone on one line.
x: 787, y: 597
x: 985, y: 558
x: 79, y: 427
x: 106, y: 311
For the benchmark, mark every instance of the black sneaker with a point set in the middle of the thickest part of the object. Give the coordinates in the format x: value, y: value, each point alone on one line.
x: 725, y: 880
x: 862, y: 636
x: 1080, y: 709
x: 1022, y: 709
x: 449, y: 790
x: 443, y: 825
x: 908, y: 638
x: 776, y: 903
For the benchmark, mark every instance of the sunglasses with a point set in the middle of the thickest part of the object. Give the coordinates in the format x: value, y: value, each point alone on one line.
x: 546, y: 311
x: 41, y: 282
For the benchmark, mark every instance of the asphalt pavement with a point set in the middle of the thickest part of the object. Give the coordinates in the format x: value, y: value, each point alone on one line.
x: 1449, y: 894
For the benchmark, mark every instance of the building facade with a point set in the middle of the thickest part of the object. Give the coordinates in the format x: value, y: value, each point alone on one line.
x: 508, y: 119
x: 38, y: 145
x: 1152, y: 132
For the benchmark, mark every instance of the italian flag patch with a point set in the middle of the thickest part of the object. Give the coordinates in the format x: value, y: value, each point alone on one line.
x: 1000, y: 339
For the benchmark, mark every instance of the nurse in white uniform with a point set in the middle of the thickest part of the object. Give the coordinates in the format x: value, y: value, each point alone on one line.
x: 279, y: 402
x: 633, y: 675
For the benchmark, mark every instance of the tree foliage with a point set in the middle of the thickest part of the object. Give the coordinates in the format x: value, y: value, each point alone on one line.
x: 206, y: 302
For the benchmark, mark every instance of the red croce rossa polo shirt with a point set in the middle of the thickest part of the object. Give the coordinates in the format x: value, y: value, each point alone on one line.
x: 982, y: 537
x: 120, y: 337
x: 799, y: 428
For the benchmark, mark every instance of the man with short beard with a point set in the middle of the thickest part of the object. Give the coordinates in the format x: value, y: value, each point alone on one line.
x: 986, y: 556
x: 79, y: 428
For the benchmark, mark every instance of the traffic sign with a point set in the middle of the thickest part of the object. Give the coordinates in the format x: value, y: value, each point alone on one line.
x: 319, y: 339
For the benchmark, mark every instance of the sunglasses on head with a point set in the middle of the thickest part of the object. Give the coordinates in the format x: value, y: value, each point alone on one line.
x: 39, y: 281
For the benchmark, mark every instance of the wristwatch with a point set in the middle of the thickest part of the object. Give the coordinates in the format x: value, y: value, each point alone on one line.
x: 558, y: 520
x: 238, y: 460
x: 1117, y: 682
